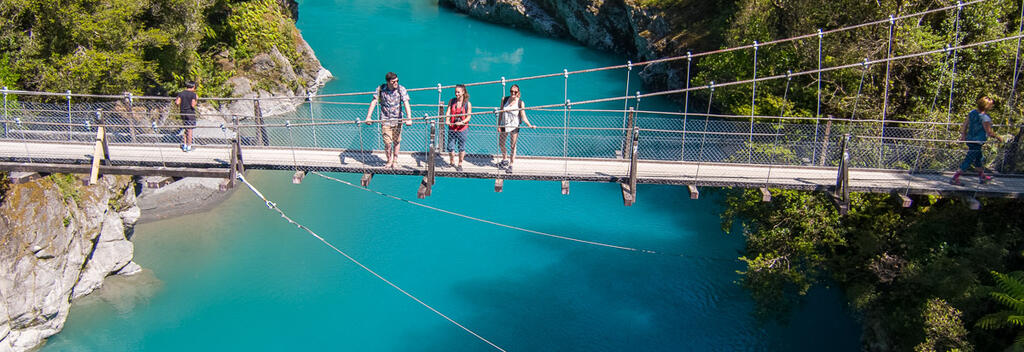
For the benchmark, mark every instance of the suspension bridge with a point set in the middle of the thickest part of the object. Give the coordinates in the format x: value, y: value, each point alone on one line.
x: 575, y: 141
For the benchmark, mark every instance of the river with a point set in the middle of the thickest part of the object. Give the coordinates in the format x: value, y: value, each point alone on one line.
x: 241, y: 278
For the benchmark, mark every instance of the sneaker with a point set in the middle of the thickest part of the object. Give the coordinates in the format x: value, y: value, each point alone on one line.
x: 188, y: 148
x: 508, y: 170
x: 503, y: 163
x: 458, y: 168
x: 984, y: 179
x: 956, y: 182
x: 183, y: 148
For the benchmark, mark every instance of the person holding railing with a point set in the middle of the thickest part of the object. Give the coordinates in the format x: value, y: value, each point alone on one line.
x: 511, y: 113
x: 459, y: 114
x: 186, y: 102
x: 391, y: 96
x: 975, y: 131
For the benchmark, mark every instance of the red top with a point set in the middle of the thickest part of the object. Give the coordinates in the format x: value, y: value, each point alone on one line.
x: 457, y: 115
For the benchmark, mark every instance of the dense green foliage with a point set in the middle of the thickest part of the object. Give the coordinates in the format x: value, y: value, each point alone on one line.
x: 1009, y: 294
x: 918, y: 277
x: 142, y: 46
x: 892, y: 262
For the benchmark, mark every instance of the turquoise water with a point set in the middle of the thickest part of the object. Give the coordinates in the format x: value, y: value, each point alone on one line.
x: 241, y: 278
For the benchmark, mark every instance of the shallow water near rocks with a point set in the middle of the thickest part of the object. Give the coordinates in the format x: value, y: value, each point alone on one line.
x: 241, y: 278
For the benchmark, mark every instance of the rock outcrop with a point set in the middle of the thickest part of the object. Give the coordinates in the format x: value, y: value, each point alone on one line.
x: 623, y: 26
x: 59, y: 241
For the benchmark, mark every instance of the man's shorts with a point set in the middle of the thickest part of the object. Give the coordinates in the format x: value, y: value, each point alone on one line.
x: 391, y: 134
x: 188, y: 119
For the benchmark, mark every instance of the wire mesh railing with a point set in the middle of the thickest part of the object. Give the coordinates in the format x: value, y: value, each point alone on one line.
x: 558, y: 134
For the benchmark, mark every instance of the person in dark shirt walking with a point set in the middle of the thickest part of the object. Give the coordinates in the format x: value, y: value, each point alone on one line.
x: 186, y: 102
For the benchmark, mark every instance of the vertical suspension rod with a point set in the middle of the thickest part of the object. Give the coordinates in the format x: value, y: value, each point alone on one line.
x: 952, y: 75
x: 1016, y: 59
x: 753, y: 105
x: 817, y: 111
x: 888, y: 69
x: 686, y: 106
x: 70, y: 128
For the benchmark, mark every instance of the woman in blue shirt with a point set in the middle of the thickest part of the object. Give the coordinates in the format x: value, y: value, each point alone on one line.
x: 975, y: 131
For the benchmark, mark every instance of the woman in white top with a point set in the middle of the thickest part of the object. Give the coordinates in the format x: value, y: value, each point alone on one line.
x: 511, y: 113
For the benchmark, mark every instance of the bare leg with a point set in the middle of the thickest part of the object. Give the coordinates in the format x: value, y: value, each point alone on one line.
x: 451, y: 158
x: 388, y: 154
x: 515, y: 138
x: 188, y: 136
x: 501, y: 145
x: 394, y: 153
x: 462, y: 156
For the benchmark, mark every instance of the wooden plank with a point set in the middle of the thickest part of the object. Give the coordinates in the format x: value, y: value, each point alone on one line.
x: 98, y: 155
x: 765, y: 195
x: 694, y: 193
x: 365, y: 181
x: 628, y: 197
x: 498, y: 185
x: 565, y: 187
x: 19, y: 177
x: 298, y: 176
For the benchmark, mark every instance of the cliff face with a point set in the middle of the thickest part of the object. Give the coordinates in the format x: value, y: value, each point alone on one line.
x: 624, y: 26
x: 59, y: 241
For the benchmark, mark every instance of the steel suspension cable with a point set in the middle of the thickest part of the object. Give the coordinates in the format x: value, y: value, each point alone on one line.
x: 516, y: 228
x: 273, y: 206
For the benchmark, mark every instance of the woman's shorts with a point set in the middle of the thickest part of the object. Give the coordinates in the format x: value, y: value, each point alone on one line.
x: 457, y: 139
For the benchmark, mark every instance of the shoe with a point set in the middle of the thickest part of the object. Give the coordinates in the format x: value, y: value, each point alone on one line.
x: 508, y: 170
x: 458, y: 168
x: 956, y: 182
x: 188, y: 148
x: 183, y: 148
x: 983, y: 179
x: 503, y: 163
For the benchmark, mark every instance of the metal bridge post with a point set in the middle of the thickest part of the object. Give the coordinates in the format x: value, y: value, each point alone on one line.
x: 441, y: 111
x: 258, y: 116
x: 70, y: 127
x: 309, y: 97
x: 625, y: 102
x: 6, y: 115
x: 565, y: 115
x: 627, y: 150
x: 817, y: 111
x: 131, y: 117
x: 753, y: 105
x: 686, y: 107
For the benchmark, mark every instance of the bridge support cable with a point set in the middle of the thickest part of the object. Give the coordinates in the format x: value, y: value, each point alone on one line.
x: 817, y: 111
x: 778, y: 127
x: 885, y: 94
x: 516, y: 228
x: 686, y: 107
x: 703, y: 136
x: 625, y: 102
x: 70, y: 125
x: 952, y: 74
x: 428, y: 180
x: 841, y: 195
x: 1016, y: 60
x: 753, y: 106
x: 565, y: 121
x: 274, y: 207
x: 312, y: 118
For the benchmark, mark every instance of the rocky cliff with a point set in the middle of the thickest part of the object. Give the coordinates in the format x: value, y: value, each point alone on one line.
x: 60, y: 239
x: 642, y: 32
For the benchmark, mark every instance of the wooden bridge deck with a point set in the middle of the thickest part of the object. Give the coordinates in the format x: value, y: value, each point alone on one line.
x: 214, y: 160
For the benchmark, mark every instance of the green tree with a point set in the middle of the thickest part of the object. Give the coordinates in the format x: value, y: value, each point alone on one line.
x: 1009, y: 294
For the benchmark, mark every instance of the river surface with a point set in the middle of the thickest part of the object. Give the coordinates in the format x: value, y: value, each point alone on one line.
x: 240, y: 278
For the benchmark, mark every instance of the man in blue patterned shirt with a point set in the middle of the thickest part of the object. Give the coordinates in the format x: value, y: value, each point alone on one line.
x: 391, y: 96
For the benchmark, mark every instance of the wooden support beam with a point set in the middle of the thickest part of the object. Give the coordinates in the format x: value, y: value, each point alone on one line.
x: 158, y: 181
x: 237, y: 165
x: 628, y: 196
x: 18, y: 177
x: 365, y: 181
x: 298, y: 176
x: 904, y: 200
x: 972, y: 203
x: 101, y: 152
x: 498, y: 185
x: 765, y: 195
x: 694, y: 193
x: 565, y: 187
x: 424, y: 190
